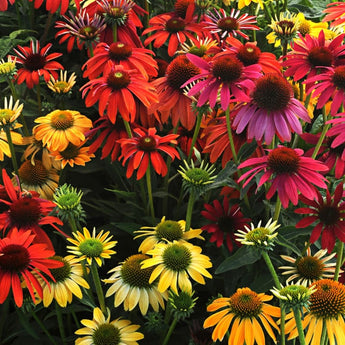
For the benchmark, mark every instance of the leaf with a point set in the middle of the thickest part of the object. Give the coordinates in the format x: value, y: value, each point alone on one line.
x: 243, y: 256
x: 282, y: 241
x: 317, y: 125
x: 224, y: 177
x: 24, y: 321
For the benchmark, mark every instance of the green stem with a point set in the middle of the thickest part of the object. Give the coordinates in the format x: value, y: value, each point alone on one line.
x: 47, y: 27
x: 277, y: 209
x: 195, y: 134
x: 39, y: 101
x: 189, y: 213
x: 322, y: 136
x: 170, y: 331
x: 98, y: 286
x: 231, y: 139
x: 128, y: 128
x: 149, y: 191
x: 44, y: 329
x: 4, y: 309
x: 13, y: 153
x: 115, y: 32
x: 323, y: 340
x: 299, y: 326
x: 60, y: 323
x: 340, y: 251
x: 72, y: 223
x: 282, y: 325
x: 271, y: 269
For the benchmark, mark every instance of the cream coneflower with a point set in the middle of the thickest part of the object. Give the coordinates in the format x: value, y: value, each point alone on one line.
x: 169, y: 230
x: 62, y: 85
x: 68, y: 280
x: 35, y: 177
x: 100, y: 330
x: 8, y: 68
x: 73, y: 154
x: 309, y: 268
x: 240, y: 314
x: 174, y: 262
x: 326, y: 309
x: 92, y: 247
x: 131, y: 286
x: 10, y: 112
x: 61, y: 127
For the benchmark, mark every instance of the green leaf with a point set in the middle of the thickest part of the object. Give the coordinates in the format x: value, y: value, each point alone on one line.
x: 24, y: 321
x: 243, y: 256
x: 282, y: 241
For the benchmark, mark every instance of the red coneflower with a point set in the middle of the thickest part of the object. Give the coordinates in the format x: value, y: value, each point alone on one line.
x: 173, y: 103
x: 19, y: 259
x: 226, y: 220
x: 335, y: 13
x: 277, y: 112
x: 143, y: 149
x: 118, y: 91
x: 289, y: 172
x: 53, y: 5
x: 36, y: 63
x: 224, y: 74
x: 4, y: 4
x: 171, y: 28
x: 119, y: 53
x: 328, y: 214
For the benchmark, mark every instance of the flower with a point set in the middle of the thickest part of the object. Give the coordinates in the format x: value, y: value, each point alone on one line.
x: 101, y: 330
x: 143, y: 149
x: 10, y: 112
x: 67, y: 282
x: 262, y: 237
x: 169, y: 27
x: 311, y: 28
x: 4, y: 4
x: 327, y: 309
x: 80, y: 29
x: 119, y: 53
x: 337, y: 131
x: 131, y: 286
x: 309, y: 268
x: 62, y: 85
x: 278, y: 113
x: 223, y: 24
x: 73, y: 154
x: 17, y: 139
x: 118, y: 91
x: 166, y: 230
x: 225, y: 220
x: 173, y: 262
x: 172, y: 102
x: 60, y: 128
x: 225, y: 74
x: 8, y: 68
x: 92, y: 247
x: 26, y: 211
x: 35, y: 177
x: 244, y: 309
x: 19, y: 259
x: 53, y: 5
x: 329, y: 215
x: 311, y: 55
x: 289, y: 173
x: 334, y: 13
x: 36, y: 62
x: 202, y: 47
x: 182, y: 303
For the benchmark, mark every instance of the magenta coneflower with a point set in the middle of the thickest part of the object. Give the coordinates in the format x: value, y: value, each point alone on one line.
x: 328, y: 215
x: 337, y: 130
x: 310, y: 55
x: 288, y: 171
x: 222, y: 24
x: 226, y: 220
x: 328, y: 85
x: 277, y: 112
x: 224, y: 74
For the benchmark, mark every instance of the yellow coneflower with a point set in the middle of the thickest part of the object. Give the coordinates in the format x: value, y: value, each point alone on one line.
x: 62, y: 85
x: 68, y: 280
x: 100, y: 330
x: 174, y: 262
x: 10, y: 112
x: 91, y: 247
x: 17, y: 139
x: 199, y: 48
x: 131, y: 286
x: 8, y: 68
x: 169, y: 230
x: 326, y: 309
x: 240, y: 314
x: 311, y: 28
x: 61, y: 127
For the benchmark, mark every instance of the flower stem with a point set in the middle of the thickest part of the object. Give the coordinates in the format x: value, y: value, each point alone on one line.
x: 299, y: 326
x: 98, y: 286
x: 44, y: 329
x: 115, y: 32
x: 323, y: 340
x: 282, y: 325
x: 72, y: 223
x: 170, y: 331
x: 277, y: 209
x: 340, y: 251
x: 13, y: 153
x: 39, y: 101
x: 195, y: 134
x: 231, y: 139
x: 189, y: 213
x: 128, y: 128
x: 322, y: 136
x: 271, y: 269
x: 149, y: 191
x: 60, y: 323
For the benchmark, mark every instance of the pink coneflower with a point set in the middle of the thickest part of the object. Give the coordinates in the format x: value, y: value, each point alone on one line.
x: 310, y: 55
x: 224, y: 74
x: 277, y: 112
x: 328, y: 214
x: 222, y: 24
x: 225, y: 221
x: 337, y: 130
x: 289, y: 172
x: 329, y: 85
